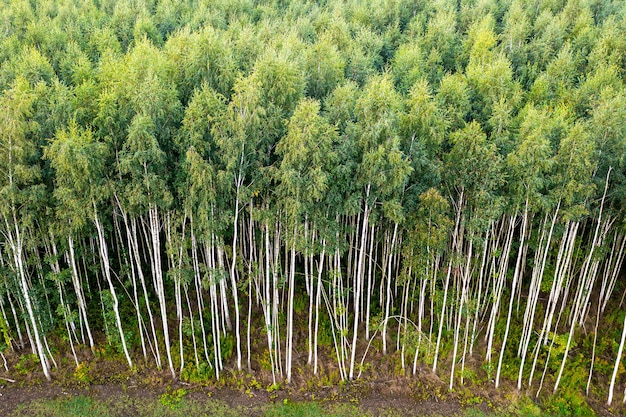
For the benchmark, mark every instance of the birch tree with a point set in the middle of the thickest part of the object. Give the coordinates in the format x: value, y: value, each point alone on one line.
x: 304, y: 175
x: 20, y: 191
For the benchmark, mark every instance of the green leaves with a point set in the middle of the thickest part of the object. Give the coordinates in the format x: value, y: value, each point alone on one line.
x: 144, y: 161
x: 574, y: 171
x: 432, y: 222
x: 377, y: 111
x: 18, y: 156
x: 308, y: 158
x: 473, y: 168
x: 78, y: 160
x: 205, y: 111
x: 324, y: 68
x: 281, y: 86
x: 424, y: 120
x: 530, y: 162
x: 204, y: 57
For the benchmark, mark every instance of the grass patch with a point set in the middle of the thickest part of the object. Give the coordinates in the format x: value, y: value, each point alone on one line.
x: 81, y: 406
x: 183, y: 406
x: 312, y: 409
x: 78, y: 406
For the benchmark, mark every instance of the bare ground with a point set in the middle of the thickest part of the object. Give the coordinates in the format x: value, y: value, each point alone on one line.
x: 379, y: 392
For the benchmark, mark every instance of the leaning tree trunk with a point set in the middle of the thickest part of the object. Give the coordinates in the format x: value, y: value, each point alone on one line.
x: 15, y: 241
x: 157, y: 270
x: 104, y: 255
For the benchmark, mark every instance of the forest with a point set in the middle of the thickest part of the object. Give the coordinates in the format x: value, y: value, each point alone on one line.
x: 204, y: 186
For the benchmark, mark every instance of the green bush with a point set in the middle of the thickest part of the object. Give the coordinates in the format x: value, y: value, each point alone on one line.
x: 172, y: 398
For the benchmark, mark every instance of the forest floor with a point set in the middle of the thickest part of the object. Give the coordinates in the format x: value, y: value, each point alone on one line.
x: 49, y: 399
x: 105, y: 387
x: 374, y: 398
x: 155, y: 401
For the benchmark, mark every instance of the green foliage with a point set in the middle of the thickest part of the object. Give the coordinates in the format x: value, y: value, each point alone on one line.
x: 526, y: 408
x: 82, y: 374
x: 567, y: 404
x: 172, y: 398
x: 197, y: 374
x: 114, y: 341
x: 78, y: 160
x: 82, y: 405
x: 228, y: 346
x: 434, y: 125
x: 324, y: 67
x: 6, y: 335
x: 27, y: 363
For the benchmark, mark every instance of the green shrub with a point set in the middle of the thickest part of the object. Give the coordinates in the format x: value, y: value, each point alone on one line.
x: 172, y: 398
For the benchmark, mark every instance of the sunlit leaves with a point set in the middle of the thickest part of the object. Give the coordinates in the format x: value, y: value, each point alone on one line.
x: 143, y: 161
x: 408, y: 65
x: 324, y: 69
x: 377, y: 111
x: 201, y: 57
x: 530, y: 161
x: 308, y: 158
x: 424, y: 120
x: 77, y: 159
x: 575, y: 164
x: 18, y: 156
x: 473, y: 168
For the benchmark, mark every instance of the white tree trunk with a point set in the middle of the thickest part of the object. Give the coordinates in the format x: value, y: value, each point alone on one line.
x: 78, y: 289
x: 441, y: 317
x: 104, y: 254
x: 357, y: 286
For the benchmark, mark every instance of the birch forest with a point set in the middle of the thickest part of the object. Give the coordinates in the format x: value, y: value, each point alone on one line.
x: 206, y: 187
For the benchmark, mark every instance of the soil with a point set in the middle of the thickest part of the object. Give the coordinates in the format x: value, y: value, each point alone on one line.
x: 399, y: 395
x: 376, y: 401
x: 379, y: 391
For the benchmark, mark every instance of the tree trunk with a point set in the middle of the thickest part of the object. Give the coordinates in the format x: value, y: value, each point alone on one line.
x: 104, y: 256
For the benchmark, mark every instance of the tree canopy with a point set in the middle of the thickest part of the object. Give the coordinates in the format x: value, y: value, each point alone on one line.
x: 256, y: 165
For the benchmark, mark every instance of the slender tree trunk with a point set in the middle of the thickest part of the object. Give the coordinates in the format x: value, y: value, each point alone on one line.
x: 104, y: 255
x: 389, y: 297
x: 276, y: 298
x: 78, y: 289
x: 615, y: 268
x: 65, y: 309
x: 252, y: 259
x: 157, y: 270
x: 616, y: 367
x: 176, y: 264
x: 69, y: 323
x: 371, y: 278
x: 587, y: 280
x: 465, y: 283
x: 308, y: 279
x: 215, y: 306
x: 233, y: 267
x: 268, y: 305
x: 500, y: 283
x: 198, y: 287
x: 516, y: 278
x: 14, y: 236
x: 531, y: 304
x: 357, y: 285
x: 441, y: 317
x: 135, y: 256
x: 291, y: 284
x: 318, y: 294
